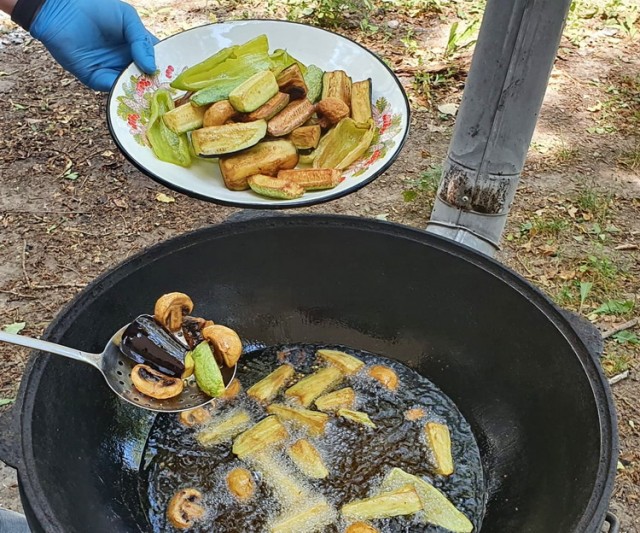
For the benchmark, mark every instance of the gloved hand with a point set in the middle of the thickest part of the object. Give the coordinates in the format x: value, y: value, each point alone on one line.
x: 95, y: 40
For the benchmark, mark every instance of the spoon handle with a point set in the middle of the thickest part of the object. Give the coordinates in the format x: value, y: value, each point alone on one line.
x: 46, y: 346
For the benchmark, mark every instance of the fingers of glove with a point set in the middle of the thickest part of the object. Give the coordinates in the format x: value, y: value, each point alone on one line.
x: 102, y: 79
x: 140, y: 39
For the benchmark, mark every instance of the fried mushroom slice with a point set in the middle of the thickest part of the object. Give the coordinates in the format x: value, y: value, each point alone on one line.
x: 226, y: 344
x: 155, y: 384
x: 185, y: 509
x: 171, y: 308
x: 385, y: 376
x: 194, y: 417
x: 241, y: 483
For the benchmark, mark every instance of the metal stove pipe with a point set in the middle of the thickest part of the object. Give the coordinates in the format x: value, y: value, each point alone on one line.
x: 511, y: 65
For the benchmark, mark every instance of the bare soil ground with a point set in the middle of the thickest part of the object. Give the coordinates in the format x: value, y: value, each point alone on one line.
x: 71, y: 207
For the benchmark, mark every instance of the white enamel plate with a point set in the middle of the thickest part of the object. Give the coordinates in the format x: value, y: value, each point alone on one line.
x: 128, y: 106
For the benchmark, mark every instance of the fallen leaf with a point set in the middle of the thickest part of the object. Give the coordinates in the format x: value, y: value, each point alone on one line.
x: 448, y: 109
x: 572, y: 211
x: 5, y: 401
x: 16, y: 327
x: 107, y: 153
x: 119, y: 202
x: 165, y: 199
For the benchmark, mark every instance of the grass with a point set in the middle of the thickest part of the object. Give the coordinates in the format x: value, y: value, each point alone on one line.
x: 426, y: 186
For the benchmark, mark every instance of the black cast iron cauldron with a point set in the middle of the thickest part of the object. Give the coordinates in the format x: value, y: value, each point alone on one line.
x: 536, y: 399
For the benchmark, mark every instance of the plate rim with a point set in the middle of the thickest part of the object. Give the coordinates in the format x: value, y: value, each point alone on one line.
x: 300, y: 202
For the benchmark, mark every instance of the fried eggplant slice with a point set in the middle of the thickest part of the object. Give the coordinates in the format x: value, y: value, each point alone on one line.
x: 356, y: 416
x: 348, y: 364
x: 224, y: 428
x: 436, y: 507
x: 267, y: 432
x: 333, y: 401
x: 308, y: 459
x: 310, y: 519
x: 268, y: 387
x: 399, y: 502
x: 439, y: 442
x: 313, y: 385
x: 313, y: 421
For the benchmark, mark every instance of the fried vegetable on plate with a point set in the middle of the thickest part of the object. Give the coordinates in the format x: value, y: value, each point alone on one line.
x: 241, y: 484
x: 167, y: 145
x: 348, y: 364
x: 356, y: 416
x: 343, y: 145
x: 313, y: 385
x: 312, y: 179
x: 155, y: 384
x: 337, y: 84
x: 268, y: 387
x: 361, y: 101
x: 214, y: 141
x: 340, y: 399
x: 308, y: 459
x: 313, y: 80
x: 398, y: 502
x: 275, y: 187
x: 254, y: 92
x: 266, y: 157
x: 184, y: 118
x: 185, y: 508
x: 439, y: 442
x: 224, y: 428
x: 267, y: 432
x: 218, y: 114
x: 313, y: 421
x: 436, y: 509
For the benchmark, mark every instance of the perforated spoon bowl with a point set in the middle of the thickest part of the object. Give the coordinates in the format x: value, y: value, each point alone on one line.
x: 116, y: 369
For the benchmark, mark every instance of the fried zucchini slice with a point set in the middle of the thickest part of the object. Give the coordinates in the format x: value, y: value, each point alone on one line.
x: 312, y: 386
x: 264, y: 158
x: 337, y: 84
x: 184, y: 118
x: 214, y: 141
x: 268, y: 387
x: 356, y: 416
x: 278, y: 188
x: 254, y: 92
x: 313, y: 421
x: 312, y: 179
x: 439, y: 442
x: 348, y: 364
x: 333, y: 401
x: 267, y: 432
x: 436, y: 508
x: 399, y: 502
x: 224, y: 428
x: 289, y: 488
x: 306, y: 137
x: 361, y: 101
x: 308, y: 459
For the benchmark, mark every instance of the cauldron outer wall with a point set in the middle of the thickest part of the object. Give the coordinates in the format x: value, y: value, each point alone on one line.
x: 536, y: 401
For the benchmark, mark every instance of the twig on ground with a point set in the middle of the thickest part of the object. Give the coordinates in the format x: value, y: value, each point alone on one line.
x: 18, y: 294
x: 626, y: 247
x: 621, y: 327
x: 24, y: 263
x: 59, y: 286
x: 619, y: 377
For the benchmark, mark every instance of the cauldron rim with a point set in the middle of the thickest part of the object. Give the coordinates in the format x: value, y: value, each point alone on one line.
x: 22, y: 456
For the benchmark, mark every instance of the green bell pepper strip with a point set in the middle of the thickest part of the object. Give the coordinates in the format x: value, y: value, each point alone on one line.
x: 166, y: 145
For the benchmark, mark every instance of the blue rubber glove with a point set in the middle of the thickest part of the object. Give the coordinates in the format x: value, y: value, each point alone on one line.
x: 95, y: 40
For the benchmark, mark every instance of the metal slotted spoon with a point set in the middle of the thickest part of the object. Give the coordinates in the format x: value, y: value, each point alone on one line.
x: 116, y: 369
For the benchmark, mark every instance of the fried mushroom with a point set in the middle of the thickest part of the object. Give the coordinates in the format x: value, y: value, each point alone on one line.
x: 241, y: 483
x: 185, y: 509
x: 171, y: 308
x: 385, y: 376
x: 226, y: 344
x: 155, y: 384
x: 194, y: 417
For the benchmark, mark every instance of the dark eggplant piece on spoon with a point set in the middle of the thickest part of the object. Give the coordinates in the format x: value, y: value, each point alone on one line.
x: 145, y: 341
